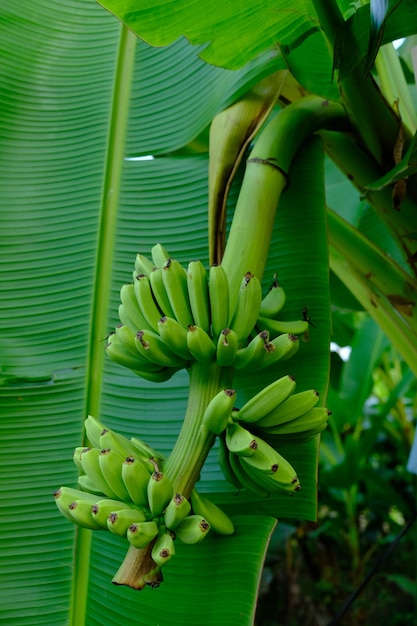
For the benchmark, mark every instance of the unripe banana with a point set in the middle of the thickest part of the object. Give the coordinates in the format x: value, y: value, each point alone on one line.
x: 219, y: 410
x: 273, y: 301
x: 225, y: 466
x: 280, y: 349
x: 88, y: 486
x: 101, y: 510
x: 141, y: 534
x: 125, y: 319
x: 161, y: 375
x: 111, y: 467
x: 266, y: 461
x: 131, y: 308
x: 160, y: 492
x: 245, y: 479
x: 197, y: 283
x: 146, y: 452
x: 64, y: 496
x: 177, y: 509
x: 111, y: 439
x: 175, y: 281
x: 174, y: 336
x: 200, y: 345
x: 93, y: 429
x: 90, y: 461
x: 227, y: 347
x: 278, y: 440
x: 307, y: 421
x: 239, y: 440
x: 159, y: 292
x: 159, y: 254
x: 278, y: 327
x: 294, y: 406
x: 163, y: 549
x: 269, y: 398
x: 143, y: 265
x: 119, y: 521
x: 80, y: 511
x: 251, y: 356
x: 151, y: 346
x: 192, y: 529
x: 76, y: 457
x: 126, y: 337
x: 219, y: 299
x: 247, y: 306
x: 121, y: 355
x: 218, y: 520
x: 146, y: 302
x: 135, y: 477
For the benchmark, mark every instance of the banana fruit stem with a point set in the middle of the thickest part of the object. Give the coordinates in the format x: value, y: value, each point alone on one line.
x: 266, y: 176
x: 194, y: 442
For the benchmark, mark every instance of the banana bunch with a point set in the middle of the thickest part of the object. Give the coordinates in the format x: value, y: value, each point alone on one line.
x: 276, y: 415
x: 171, y: 316
x: 122, y: 488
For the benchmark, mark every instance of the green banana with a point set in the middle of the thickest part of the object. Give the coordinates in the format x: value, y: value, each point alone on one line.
x: 239, y: 440
x: 280, y: 349
x: 143, y: 265
x: 307, y: 421
x: 174, y: 336
x: 93, y: 430
x: 178, y: 508
x: 88, y: 486
x: 220, y: 522
x: 294, y: 406
x: 119, y: 521
x: 126, y: 337
x: 269, y: 398
x: 192, y: 529
x: 90, y: 461
x: 159, y: 291
x: 253, y: 354
x: 159, y: 491
x: 268, y: 462
x: 119, y: 443
x: 121, y: 355
x: 131, y: 308
x: 125, y: 319
x: 159, y: 255
x: 277, y: 440
x: 64, y: 496
x: 80, y: 511
x: 219, y: 299
x: 135, y: 476
x: 200, y: 344
x: 227, y: 347
x: 175, y: 281
x: 101, y: 510
x: 248, y: 302
x: 146, y: 301
x: 219, y: 410
x: 163, y: 549
x: 245, y: 479
x: 76, y: 457
x: 146, y: 452
x: 278, y: 327
x: 151, y: 346
x: 225, y: 466
x: 197, y: 283
x: 141, y: 534
x: 161, y: 375
x: 111, y: 463
x: 273, y: 301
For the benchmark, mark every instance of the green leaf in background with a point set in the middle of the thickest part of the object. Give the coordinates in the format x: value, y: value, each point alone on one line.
x: 219, y: 27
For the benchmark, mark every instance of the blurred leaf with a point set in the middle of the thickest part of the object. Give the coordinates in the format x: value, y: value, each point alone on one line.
x: 219, y: 27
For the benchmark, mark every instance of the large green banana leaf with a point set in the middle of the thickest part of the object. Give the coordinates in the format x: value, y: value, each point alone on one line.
x: 80, y: 97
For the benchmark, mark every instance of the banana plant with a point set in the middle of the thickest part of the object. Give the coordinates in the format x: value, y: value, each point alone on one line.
x: 116, y: 140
